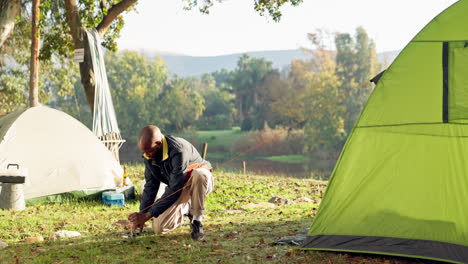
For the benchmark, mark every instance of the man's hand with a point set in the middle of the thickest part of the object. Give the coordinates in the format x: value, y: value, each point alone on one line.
x: 138, y: 220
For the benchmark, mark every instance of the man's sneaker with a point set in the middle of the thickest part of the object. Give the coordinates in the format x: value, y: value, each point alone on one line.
x: 197, y: 230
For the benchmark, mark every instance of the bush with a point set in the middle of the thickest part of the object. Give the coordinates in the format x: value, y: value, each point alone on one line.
x: 246, y: 124
x: 271, y: 142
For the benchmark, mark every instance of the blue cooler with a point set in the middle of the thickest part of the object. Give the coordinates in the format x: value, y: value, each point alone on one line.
x: 113, y: 198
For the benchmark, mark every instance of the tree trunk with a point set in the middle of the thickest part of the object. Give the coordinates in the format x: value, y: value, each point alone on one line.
x: 87, y: 72
x: 9, y: 9
x: 80, y: 40
x: 241, y: 113
x: 34, y: 68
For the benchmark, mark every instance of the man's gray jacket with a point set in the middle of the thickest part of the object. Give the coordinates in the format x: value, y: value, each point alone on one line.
x: 177, y: 155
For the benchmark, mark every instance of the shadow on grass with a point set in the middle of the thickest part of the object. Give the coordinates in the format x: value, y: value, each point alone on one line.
x: 230, y: 239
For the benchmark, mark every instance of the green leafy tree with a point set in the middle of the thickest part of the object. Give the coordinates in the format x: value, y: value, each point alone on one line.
x: 311, y: 86
x: 325, y: 129
x: 288, y: 97
x: 263, y: 7
x: 136, y: 84
x: 356, y: 60
x: 220, y: 109
x: 57, y: 75
x: 215, y: 88
x: 247, y: 80
x: 180, y: 104
x: 63, y: 25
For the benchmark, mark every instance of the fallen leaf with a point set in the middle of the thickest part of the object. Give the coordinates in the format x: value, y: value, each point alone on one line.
x: 219, y: 251
x: 35, y: 239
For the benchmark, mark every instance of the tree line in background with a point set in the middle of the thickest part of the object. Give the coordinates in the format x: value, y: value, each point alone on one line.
x: 254, y: 96
x: 62, y: 26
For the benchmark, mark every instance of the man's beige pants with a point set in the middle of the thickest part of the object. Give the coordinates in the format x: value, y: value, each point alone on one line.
x: 191, y: 200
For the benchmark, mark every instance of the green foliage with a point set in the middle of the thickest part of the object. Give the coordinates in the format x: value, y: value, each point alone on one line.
x: 272, y: 7
x: 247, y: 82
x: 263, y: 7
x: 136, y: 85
x: 75, y: 103
x: 56, y: 75
x: 219, y: 100
x: 181, y: 104
x: 246, y: 124
x: 220, y: 110
x: 55, y: 33
x: 356, y: 63
x: 14, y: 76
x: 325, y: 128
x: 288, y: 100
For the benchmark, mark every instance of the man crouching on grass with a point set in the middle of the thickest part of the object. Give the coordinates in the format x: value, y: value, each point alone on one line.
x: 175, y: 162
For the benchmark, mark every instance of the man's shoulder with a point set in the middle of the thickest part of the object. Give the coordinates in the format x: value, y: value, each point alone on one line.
x: 177, y: 143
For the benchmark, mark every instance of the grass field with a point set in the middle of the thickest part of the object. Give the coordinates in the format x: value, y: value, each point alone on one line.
x: 233, y: 235
x: 217, y: 138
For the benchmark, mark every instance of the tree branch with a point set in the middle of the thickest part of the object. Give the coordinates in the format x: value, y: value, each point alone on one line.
x: 114, y: 12
x: 103, y: 4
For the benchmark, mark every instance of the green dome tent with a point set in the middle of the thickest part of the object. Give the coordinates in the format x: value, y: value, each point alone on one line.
x: 400, y: 186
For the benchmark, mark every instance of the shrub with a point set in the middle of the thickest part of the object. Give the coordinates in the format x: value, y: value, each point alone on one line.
x: 246, y: 124
x: 272, y: 142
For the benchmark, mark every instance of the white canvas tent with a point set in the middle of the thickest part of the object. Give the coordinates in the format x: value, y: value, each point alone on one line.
x: 60, y: 153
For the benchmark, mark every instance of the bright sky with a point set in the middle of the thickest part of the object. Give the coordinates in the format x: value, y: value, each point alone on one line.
x: 234, y: 27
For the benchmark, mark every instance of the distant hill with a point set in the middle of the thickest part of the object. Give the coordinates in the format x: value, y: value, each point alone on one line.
x: 185, y: 66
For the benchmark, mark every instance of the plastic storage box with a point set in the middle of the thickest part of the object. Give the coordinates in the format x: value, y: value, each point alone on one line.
x: 113, y: 198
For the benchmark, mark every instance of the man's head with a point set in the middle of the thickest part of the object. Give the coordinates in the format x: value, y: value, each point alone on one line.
x: 150, y: 141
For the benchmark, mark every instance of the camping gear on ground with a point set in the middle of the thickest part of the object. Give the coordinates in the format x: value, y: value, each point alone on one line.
x: 400, y: 186
x: 61, y: 154
x: 11, y: 191
x: 105, y: 125
x: 295, y: 240
x: 113, y: 198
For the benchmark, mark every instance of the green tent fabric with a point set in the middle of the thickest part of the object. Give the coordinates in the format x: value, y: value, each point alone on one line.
x: 400, y: 186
